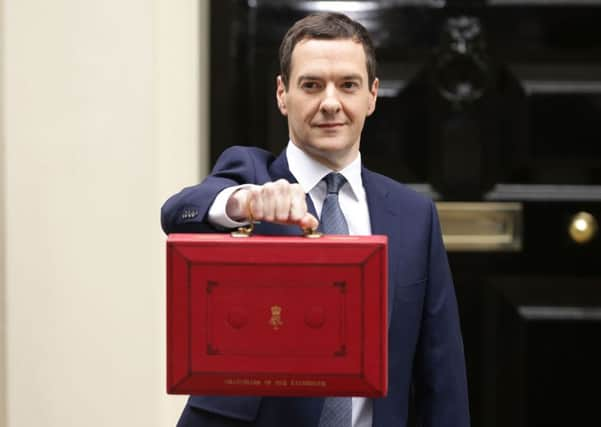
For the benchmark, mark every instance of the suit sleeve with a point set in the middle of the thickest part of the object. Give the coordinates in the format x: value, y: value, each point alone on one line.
x: 186, y: 211
x: 440, y: 377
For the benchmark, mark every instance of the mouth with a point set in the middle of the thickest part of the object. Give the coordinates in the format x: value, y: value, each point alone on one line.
x: 329, y: 125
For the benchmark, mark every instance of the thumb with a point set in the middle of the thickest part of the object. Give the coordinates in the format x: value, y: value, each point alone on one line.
x: 309, y: 222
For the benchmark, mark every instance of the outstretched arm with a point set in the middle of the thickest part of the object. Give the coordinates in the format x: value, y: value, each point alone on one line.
x: 280, y: 201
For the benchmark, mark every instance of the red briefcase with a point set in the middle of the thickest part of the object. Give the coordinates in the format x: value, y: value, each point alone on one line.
x: 283, y: 316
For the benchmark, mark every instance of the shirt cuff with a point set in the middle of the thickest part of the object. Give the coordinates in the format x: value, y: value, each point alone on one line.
x: 217, y: 212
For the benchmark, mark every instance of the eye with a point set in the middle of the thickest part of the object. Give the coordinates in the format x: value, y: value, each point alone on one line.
x: 350, y: 85
x: 310, y: 85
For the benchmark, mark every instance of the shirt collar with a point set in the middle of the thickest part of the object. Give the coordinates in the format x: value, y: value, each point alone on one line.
x: 309, y: 172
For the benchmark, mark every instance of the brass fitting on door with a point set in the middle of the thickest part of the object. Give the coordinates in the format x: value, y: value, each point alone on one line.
x: 583, y: 227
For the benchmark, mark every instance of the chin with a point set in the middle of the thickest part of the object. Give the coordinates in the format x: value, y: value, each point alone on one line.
x: 331, y: 143
x: 333, y: 153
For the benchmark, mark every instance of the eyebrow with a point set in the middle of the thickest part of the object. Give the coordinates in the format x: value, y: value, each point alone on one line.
x: 353, y: 77
x: 313, y: 77
x: 308, y: 77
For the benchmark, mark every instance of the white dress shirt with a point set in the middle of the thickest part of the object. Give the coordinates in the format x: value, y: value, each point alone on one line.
x: 353, y: 202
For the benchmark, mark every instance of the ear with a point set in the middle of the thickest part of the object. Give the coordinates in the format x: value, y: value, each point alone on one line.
x: 280, y: 94
x: 373, y: 96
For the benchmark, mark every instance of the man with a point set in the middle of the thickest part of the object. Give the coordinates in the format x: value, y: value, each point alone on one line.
x: 326, y: 89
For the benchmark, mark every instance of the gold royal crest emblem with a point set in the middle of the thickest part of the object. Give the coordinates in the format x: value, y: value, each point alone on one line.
x: 276, y: 317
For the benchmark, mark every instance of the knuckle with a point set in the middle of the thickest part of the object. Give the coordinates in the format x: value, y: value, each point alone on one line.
x: 268, y: 189
x: 295, y: 190
x: 282, y: 186
x: 251, y: 192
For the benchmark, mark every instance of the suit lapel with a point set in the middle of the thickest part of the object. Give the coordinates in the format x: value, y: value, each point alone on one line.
x: 279, y: 168
x: 383, y: 214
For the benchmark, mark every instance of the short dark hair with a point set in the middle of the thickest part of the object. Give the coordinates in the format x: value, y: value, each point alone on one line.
x: 326, y: 26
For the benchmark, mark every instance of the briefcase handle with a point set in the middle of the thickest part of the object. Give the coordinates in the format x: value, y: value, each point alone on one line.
x: 247, y: 231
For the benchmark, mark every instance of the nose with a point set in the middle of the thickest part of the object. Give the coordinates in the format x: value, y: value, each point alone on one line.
x: 330, y: 103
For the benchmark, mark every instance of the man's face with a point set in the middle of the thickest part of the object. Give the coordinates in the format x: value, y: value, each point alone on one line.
x: 328, y: 99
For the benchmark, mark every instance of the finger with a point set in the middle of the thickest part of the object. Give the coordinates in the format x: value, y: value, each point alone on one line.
x: 255, y: 205
x: 298, y: 204
x: 282, y: 201
x: 268, y: 201
x: 308, y: 221
x: 298, y: 208
x: 236, y: 207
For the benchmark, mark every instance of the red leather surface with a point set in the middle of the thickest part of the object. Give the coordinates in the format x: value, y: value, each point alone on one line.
x: 285, y: 316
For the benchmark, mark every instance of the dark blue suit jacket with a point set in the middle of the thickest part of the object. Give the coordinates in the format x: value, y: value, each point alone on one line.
x: 426, y: 362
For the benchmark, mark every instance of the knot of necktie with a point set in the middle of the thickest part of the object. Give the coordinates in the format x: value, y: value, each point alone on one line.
x: 334, y: 181
x: 332, y: 218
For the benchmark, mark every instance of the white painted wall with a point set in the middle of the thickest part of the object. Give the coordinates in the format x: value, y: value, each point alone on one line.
x: 102, y: 115
x: 2, y: 236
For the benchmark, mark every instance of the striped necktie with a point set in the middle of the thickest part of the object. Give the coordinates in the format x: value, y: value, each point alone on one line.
x: 332, y: 218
